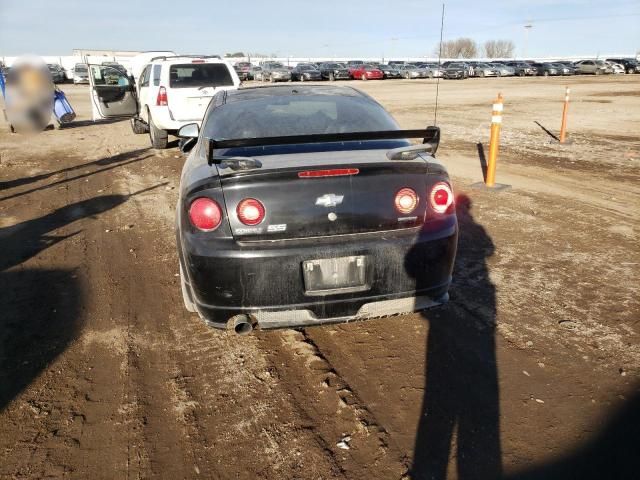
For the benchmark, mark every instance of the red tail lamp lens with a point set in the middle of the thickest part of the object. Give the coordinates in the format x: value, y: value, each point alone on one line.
x: 205, y: 214
x: 161, y: 99
x: 406, y: 200
x: 441, y: 197
x: 250, y: 211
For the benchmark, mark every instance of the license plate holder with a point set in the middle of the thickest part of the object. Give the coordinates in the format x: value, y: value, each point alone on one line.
x: 336, y: 275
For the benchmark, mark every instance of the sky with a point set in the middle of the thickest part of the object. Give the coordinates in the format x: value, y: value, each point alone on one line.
x: 318, y: 28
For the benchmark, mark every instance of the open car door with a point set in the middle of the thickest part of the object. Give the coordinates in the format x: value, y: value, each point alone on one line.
x: 112, y: 93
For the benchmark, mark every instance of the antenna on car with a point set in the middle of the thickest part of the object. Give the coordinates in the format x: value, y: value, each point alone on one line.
x: 435, y: 113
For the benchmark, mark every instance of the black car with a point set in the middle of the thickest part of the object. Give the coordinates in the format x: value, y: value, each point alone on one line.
x: 522, y: 68
x: 390, y: 71
x: 307, y: 205
x: 334, y: 71
x: 546, y: 69
x: 630, y: 65
x: 305, y: 72
x: 456, y: 70
x: 58, y: 75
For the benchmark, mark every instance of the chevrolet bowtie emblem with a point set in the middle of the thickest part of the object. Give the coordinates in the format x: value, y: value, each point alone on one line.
x: 329, y: 200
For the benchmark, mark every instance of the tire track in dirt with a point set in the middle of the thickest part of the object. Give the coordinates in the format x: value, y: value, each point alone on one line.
x: 342, y: 422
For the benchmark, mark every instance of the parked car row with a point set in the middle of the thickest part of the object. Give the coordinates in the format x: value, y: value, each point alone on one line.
x: 79, y: 73
x: 270, y: 71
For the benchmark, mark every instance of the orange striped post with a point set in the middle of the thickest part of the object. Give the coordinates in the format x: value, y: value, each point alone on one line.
x: 565, y: 110
x: 494, y: 142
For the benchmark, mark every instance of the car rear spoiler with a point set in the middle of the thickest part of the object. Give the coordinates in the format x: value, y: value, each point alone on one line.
x: 430, y: 136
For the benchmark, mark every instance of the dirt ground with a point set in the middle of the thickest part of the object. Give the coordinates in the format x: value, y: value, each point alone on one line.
x: 531, y: 371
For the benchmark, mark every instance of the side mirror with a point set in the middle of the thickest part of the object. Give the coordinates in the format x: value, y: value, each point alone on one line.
x: 190, y: 130
x: 187, y: 144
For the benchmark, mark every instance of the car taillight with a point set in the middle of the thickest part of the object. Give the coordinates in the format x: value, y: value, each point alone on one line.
x: 406, y: 200
x: 161, y: 100
x: 205, y: 214
x: 441, y: 197
x: 334, y: 172
x: 250, y: 211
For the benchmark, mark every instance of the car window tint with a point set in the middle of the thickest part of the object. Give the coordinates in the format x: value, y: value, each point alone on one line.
x: 289, y: 115
x: 156, y: 75
x: 201, y: 74
x: 145, y: 76
x: 108, y: 76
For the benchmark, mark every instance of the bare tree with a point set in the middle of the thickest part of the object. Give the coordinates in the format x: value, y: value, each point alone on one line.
x: 499, y: 48
x: 458, y: 48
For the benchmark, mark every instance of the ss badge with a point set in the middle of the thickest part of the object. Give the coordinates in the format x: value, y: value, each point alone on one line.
x: 277, y: 228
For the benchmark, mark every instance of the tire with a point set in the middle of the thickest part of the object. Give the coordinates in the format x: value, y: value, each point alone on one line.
x: 430, y: 75
x: 302, y: 78
x: 364, y: 77
x: 597, y: 72
x: 630, y: 71
x: 159, y: 138
x: 407, y: 76
x: 545, y: 74
x: 332, y: 77
x: 521, y: 74
x: 186, y: 294
x: 137, y: 126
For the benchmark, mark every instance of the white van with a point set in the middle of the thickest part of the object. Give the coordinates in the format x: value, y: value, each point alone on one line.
x: 170, y: 91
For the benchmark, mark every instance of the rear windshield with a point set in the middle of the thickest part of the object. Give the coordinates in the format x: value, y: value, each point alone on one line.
x: 192, y: 75
x: 275, y: 116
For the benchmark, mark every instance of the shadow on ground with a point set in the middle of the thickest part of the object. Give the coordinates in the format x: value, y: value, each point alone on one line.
x: 460, y: 411
x: 39, y: 307
x: 612, y: 453
x: 108, y: 163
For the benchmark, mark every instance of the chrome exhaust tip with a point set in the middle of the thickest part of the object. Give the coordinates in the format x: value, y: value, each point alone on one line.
x: 242, y: 324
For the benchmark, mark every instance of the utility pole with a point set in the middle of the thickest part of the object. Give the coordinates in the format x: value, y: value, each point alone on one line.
x: 527, y: 27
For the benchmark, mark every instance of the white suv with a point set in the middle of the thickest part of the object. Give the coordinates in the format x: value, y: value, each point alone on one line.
x: 171, y: 91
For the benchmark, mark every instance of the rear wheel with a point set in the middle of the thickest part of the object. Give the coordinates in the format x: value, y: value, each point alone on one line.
x: 597, y: 72
x: 546, y: 74
x: 302, y: 78
x: 630, y: 70
x: 159, y: 138
x: 186, y: 294
x: 332, y: 77
x: 137, y: 125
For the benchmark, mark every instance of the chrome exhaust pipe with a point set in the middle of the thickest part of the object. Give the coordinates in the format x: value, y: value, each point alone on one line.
x: 242, y: 324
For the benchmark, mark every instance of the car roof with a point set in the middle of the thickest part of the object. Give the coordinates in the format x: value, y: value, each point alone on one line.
x: 186, y: 58
x: 252, y: 93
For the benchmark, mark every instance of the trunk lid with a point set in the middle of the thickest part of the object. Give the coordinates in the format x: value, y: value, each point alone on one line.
x: 192, y: 85
x: 189, y: 103
x: 332, y: 205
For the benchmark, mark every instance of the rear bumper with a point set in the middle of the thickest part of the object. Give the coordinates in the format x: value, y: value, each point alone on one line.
x: 264, y: 279
x: 164, y: 119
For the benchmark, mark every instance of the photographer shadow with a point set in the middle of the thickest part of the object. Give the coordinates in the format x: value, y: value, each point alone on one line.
x: 459, y: 419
